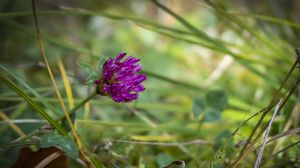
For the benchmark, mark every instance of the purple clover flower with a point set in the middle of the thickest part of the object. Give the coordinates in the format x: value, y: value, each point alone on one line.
x: 121, y: 80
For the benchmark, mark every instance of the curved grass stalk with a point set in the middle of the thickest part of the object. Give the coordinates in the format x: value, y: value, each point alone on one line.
x: 83, y: 155
x: 67, y: 84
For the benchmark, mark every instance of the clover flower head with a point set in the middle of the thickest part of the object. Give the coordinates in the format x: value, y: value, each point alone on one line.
x: 120, y: 79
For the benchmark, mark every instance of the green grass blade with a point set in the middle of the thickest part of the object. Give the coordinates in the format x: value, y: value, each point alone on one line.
x: 244, y: 26
x: 192, y: 28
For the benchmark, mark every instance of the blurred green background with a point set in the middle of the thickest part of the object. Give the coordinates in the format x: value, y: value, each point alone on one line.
x: 240, y: 49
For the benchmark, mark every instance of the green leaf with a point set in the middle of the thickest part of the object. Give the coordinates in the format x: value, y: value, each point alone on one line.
x: 163, y: 159
x: 212, y: 115
x: 198, y: 106
x: 55, y: 139
x: 92, y: 74
x: 91, y: 78
x: 221, y: 139
x: 216, y: 99
x: 87, y: 68
x: 100, y: 64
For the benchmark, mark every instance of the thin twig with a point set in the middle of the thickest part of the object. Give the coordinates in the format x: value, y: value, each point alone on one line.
x: 281, y: 135
x: 244, y: 122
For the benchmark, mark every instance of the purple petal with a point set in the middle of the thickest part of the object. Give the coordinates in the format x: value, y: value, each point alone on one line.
x: 140, y: 78
x: 139, y: 88
x: 119, y: 57
x: 106, y: 88
x: 130, y: 60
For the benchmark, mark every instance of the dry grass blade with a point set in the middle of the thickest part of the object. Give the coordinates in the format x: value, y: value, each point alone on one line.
x: 285, y: 133
x: 258, y: 160
x: 11, y: 124
x: 281, y: 135
x: 288, y: 124
x: 282, y: 150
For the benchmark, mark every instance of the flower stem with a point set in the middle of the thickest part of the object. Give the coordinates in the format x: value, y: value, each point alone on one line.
x: 74, y: 109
